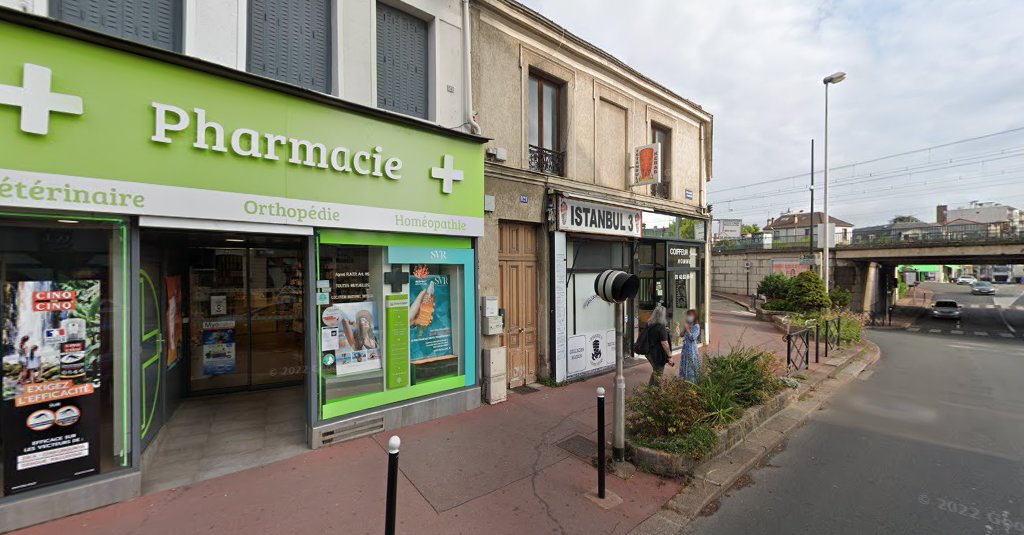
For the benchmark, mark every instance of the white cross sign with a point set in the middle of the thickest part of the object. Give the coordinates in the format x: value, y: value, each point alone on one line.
x: 36, y: 101
x: 446, y: 173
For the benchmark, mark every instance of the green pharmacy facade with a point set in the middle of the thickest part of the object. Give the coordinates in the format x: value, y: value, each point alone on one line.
x: 173, y: 232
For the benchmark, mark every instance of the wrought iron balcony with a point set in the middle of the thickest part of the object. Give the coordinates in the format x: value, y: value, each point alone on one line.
x: 547, y: 161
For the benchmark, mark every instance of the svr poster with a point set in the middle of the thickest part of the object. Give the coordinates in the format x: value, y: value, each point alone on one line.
x: 51, y: 382
x: 430, y: 314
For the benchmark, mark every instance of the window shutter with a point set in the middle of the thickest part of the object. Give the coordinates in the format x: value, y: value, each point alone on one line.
x: 151, y: 22
x: 289, y: 40
x: 401, y: 62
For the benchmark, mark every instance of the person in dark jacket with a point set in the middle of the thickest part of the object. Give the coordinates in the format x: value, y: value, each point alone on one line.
x: 660, y: 351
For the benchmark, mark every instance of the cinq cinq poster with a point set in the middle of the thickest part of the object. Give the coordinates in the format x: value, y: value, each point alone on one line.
x: 51, y: 382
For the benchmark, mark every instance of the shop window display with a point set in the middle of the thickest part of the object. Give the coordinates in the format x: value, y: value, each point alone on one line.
x: 64, y: 411
x: 391, y: 328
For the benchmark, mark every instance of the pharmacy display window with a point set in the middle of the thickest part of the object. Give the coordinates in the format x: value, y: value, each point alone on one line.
x: 396, y: 321
x: 63, y: 291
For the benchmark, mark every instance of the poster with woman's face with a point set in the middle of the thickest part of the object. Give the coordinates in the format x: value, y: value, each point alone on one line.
x: 359, y: 347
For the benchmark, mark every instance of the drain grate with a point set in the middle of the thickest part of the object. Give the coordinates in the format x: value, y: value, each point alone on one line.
x: 580, y: 446
x: 525, y: 389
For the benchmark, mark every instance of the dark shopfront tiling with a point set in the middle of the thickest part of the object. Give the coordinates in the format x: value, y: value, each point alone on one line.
x: 212, y: 436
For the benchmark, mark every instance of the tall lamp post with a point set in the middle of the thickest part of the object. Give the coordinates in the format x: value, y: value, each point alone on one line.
x: 833, y: 78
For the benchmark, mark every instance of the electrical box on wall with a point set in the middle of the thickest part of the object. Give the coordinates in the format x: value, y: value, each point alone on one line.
x: 493, y: 325
x: 490, y: 305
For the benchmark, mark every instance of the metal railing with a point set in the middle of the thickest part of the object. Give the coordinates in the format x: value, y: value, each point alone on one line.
x: 798, y: 349
x: 917, y: 236
x: 547, y: 160
x: 832, y: 338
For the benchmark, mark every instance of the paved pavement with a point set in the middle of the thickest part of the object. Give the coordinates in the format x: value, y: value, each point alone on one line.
x: 930, y: 441
x: 503, y: 468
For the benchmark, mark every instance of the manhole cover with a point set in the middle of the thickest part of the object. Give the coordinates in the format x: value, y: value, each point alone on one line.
x: 580, y: 446
x: 525, y: 389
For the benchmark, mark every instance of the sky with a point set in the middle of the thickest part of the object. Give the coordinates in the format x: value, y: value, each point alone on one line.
x: 919, y: 74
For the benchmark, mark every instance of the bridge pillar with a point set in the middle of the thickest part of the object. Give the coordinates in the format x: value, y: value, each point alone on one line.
x: 870, y: 287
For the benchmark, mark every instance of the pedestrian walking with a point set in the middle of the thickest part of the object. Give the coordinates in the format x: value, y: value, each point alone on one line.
x: 689, y: 361
x: 34, y: 363
x: 657, y: 343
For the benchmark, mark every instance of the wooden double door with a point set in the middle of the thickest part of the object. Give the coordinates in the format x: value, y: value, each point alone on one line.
x: 520, y: 292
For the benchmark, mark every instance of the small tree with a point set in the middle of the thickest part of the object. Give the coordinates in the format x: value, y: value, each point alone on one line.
x: 840, y: 297
x: 774, y: 286
x: 750, y: 230
x: 807, y: 292
x: 905, y: 219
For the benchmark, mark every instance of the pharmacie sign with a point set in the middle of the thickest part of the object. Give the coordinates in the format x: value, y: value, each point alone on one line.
x: 576, y: 215
x: 88, y: 128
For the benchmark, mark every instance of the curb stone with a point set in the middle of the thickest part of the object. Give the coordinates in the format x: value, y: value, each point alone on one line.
x: 714, y: 477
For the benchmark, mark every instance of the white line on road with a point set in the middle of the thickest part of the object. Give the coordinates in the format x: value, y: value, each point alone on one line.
x: 933, y: 331
x: 956, y: 332
x: 1006, y: 335
x: 913, y: 329
x: 980, y: 333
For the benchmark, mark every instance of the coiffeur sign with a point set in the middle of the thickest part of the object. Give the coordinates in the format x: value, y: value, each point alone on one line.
x: 575, y: 215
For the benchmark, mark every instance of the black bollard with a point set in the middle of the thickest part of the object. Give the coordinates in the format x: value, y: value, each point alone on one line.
x: 601, y: 458
x: 389, y: 521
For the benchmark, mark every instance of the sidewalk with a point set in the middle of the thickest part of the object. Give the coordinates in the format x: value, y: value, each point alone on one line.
x: 497, y: 469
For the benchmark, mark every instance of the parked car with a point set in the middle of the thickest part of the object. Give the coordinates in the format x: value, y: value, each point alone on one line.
x: 946, y: 309
x: 983, y: 288
x: 966, y: 280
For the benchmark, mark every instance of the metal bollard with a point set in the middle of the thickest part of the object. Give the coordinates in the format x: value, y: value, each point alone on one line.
x: 389, y: 521
x: 601, y: 458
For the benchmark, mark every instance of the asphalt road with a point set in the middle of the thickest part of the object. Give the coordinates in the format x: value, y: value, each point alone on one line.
x: 1001, y: 315
x: 930, y: 440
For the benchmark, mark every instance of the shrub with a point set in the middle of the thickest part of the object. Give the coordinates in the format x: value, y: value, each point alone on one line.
x: 840, y: 297
x: 664, y: 411
x: 778, y: 305
x: 719, y: 402
x: 747, y: 374
x: 851, y: 328
x: 807, y: 292
x: 774, y: 286
x: 695, y: 444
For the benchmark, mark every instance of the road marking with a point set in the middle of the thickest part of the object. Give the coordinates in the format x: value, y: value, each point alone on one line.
x: 990, y: 306
x: 933, y: 331
x: 913, y: 329
x: 980, y: 333
x: 975, y: 305
x: 956, y: 332
x: 1006, y: 335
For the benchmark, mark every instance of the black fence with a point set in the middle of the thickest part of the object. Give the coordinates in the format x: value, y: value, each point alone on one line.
x: 798, y: 349
x: 832, y: 337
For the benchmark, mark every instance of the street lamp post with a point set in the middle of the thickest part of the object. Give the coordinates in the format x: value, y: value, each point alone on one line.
x: 833, y: 78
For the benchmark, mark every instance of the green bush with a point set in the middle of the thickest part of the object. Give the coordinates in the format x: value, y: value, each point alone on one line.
x: 807, y: 292
x: 663, y: 411
x: 747, y: 372
x: 851, y: 328
x: 840, y: 297
x: 775, y: 286
x: 719, y: 402
x: 695, y: 444
x: 778, y: 305
x: 902, y: 288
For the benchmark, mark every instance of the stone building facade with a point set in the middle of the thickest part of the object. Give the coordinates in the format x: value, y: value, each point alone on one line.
x: 565, y: 119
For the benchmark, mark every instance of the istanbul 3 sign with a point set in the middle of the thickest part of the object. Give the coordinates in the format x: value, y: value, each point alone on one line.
x: 166, y: 140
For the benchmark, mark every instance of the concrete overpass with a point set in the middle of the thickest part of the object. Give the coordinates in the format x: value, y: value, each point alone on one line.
x: 866, y: 268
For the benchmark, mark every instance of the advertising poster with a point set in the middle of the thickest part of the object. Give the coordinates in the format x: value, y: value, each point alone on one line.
x: 789, y: 267
x: 430, y: 315
x: 218, y: 347
x: 51, y: 382
x: 358, y: 346
x: 175, y: 326
x: 590, y: 353
x: 397, y: 311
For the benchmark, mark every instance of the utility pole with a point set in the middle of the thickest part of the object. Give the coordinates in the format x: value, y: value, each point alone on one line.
x: 812, y: 201
x: 827, y: 236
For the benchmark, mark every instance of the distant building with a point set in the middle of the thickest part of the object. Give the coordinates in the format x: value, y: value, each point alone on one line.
x: 895, y: 232
x: 794, y: 227
x: 1006, y: 218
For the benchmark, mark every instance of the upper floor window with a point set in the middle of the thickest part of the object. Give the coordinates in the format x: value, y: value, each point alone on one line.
x: 547, y: 154
x: 290, y: 41
x: 150, y: 22
x: 660, y: 134
x: 402, y: 62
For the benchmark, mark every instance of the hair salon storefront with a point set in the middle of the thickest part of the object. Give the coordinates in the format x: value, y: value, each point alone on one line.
x: 172, y: 229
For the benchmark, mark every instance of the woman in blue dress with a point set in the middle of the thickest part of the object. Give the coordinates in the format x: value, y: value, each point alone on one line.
x: 689, y: 360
